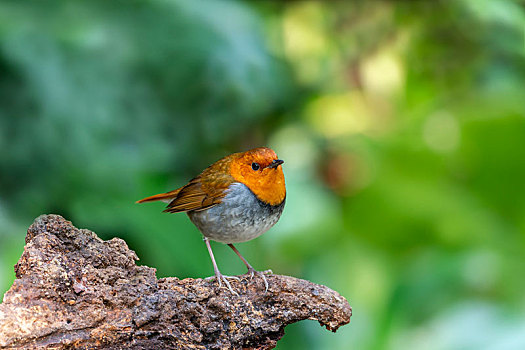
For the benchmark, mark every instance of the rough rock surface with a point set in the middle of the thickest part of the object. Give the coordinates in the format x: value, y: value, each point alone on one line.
x: 74, y: 290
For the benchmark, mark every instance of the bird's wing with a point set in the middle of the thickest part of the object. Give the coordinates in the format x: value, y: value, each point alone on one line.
x: 200, y: 194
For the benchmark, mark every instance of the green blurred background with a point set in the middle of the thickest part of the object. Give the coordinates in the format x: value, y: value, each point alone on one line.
x: 402, y: 124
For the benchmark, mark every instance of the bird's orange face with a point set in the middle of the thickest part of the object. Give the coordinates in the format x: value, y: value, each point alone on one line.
x: 261, y: 171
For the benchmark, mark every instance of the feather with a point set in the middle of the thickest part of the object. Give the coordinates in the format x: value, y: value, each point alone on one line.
x: 202, y: 192
x: 164, y: 197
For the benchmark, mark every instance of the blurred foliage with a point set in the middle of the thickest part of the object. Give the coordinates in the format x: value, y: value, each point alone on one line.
x: 402, y: 124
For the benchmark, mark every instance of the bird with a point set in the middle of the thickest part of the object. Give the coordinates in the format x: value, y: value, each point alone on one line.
x: 236, y: 199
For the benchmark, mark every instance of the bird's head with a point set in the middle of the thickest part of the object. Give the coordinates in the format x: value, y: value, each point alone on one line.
x: 261, y: 171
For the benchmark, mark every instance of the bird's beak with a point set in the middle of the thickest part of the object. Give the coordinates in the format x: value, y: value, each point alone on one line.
x: 276, y: 163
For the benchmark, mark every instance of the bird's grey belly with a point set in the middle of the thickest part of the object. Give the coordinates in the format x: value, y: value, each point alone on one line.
x: 240, y: 217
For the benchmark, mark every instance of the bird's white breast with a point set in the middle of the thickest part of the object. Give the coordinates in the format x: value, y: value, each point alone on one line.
x: 240, y: 217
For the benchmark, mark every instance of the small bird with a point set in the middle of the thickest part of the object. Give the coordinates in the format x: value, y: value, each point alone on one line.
x: 236, y: 199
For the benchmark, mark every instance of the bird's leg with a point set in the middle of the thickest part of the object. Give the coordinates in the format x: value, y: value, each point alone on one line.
x: 251, y: 270
x: 218, y: 275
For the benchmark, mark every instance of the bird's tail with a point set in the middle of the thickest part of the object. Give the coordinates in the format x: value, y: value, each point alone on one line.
x: 164, y: 197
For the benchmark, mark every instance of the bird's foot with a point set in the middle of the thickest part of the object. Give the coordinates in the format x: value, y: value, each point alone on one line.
x: 253, y: 272
x: 224, y: 278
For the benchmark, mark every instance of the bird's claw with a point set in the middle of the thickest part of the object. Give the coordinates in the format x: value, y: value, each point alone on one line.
x: 260, y: 273
x: 220, y: 278
x: 252, y: 272
x: 227, y: 283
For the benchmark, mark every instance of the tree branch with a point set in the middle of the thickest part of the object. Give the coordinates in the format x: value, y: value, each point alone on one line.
x: 74, y: 290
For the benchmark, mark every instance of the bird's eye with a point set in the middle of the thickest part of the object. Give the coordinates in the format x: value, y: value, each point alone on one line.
x: 256, y: 166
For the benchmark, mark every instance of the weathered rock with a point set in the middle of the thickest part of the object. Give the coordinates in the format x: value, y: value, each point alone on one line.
x: 74, y: 290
